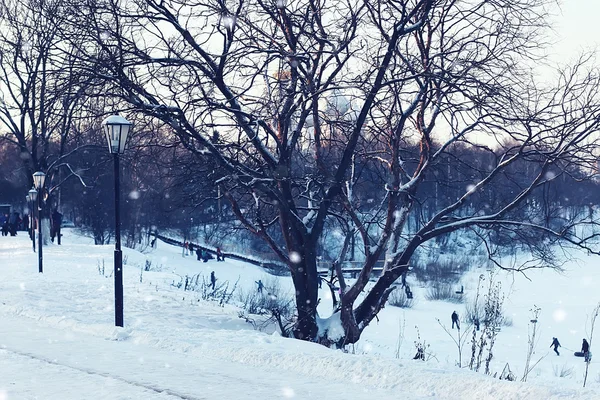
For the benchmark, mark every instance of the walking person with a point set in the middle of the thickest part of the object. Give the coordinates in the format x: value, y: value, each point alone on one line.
x: 56, y: 218
x: 220, y: 256
x: 260, y: 286
x: 585, y: 349
x: 455, y: 320
x: 213, y: 280
x: 556, y: 345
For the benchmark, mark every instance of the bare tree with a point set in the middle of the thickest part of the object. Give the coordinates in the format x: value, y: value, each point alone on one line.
x: 304, y: 104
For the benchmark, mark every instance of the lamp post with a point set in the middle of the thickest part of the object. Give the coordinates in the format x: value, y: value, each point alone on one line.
x: 116, y: 129
x: 32, y: 198
x: 39, y: 178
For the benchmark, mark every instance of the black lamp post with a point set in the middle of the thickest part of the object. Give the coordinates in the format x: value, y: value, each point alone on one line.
x: 116, y: 129
x: 39, y: 178
x: 32, y: 198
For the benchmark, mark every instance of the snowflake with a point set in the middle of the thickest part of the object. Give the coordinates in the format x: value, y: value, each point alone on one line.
x: 295, y: 257
x: 288, y: 392
x: 229, y: 21
x: 559, y: 315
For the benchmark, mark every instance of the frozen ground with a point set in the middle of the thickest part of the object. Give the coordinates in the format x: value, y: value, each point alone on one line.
x: 58, y: 340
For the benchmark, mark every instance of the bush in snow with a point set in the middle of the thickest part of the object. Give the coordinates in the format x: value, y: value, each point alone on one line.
x: 489, y: 322
x: 398, y: 298
x: 448, y: 270
x: 220, y: 292
x: 562, y: 371
x: 476, y: 312
x: 272, y: 303
x: 532, y: 342
x: 444, y: 292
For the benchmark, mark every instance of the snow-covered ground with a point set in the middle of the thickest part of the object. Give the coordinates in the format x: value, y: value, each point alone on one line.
x: 58, y: 341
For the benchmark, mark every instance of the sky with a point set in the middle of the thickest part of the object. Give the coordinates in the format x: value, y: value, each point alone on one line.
x: 577, y: 27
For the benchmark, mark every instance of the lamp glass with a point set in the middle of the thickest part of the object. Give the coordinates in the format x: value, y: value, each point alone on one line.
x: 116, y: 129
x: 39, y: 178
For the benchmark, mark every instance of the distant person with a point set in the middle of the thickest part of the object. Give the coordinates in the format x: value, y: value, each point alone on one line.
x: 213, y: 280
x: 220, y: 256
x: 556, y: 345
x: 585, y: 349
x: 153, y: 243
x: 205, y: 256
x: 455, y: 320
x: 199, y: 253
x: 4, y: 224
x: 191, y: 247
x: 13, y: 223
x: 260, y: 286
x: 409, y: 293
x: 56, y: 220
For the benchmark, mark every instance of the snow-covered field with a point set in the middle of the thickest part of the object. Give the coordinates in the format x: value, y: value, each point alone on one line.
x: 58, y: 340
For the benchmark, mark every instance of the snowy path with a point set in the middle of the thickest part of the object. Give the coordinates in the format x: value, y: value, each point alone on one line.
x: 40, y: 362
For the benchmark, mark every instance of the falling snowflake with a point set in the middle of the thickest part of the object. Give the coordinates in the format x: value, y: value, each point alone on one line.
x: 134, y: 195
x: 550, y: 175
x: 559, y: 315
x: 288, y: 392
x: 229, y: 21
x: 280, y: 3
x: 471, y: 188
x: 26, y: 47
x: 104, y: 35
x: 295, y: 257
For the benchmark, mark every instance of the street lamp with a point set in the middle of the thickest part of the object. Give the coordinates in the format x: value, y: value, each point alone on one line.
x: 116, y: 129
x: 39, y: 178
x: 32, y: 198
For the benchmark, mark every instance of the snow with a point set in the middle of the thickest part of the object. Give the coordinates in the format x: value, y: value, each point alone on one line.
x: 58, y: 340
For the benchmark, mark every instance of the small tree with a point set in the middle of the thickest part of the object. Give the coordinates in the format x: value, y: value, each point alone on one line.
x: 492, y: 320
x: 533, y: 323
x: 594, y: 316
x: 459, y: 340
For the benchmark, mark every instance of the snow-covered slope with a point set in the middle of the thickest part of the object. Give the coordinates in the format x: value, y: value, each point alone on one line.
x: 59, y: 341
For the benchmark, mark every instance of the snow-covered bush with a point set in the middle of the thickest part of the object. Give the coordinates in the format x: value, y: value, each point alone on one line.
x: 398, y: 298
x: 476, y: 312
x: 447, y: 270
x: 444, y: 292
x: 273, y: 303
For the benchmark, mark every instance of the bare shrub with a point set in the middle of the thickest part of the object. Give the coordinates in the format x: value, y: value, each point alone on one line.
x: 272, y: 303
x: 562, y: 371
x: 399, y: 299
x: 443, y: 292
x: 475, y: 311
x: 448, y: 270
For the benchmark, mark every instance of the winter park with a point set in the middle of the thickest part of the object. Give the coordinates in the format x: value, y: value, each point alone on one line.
x: 308, y: 199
